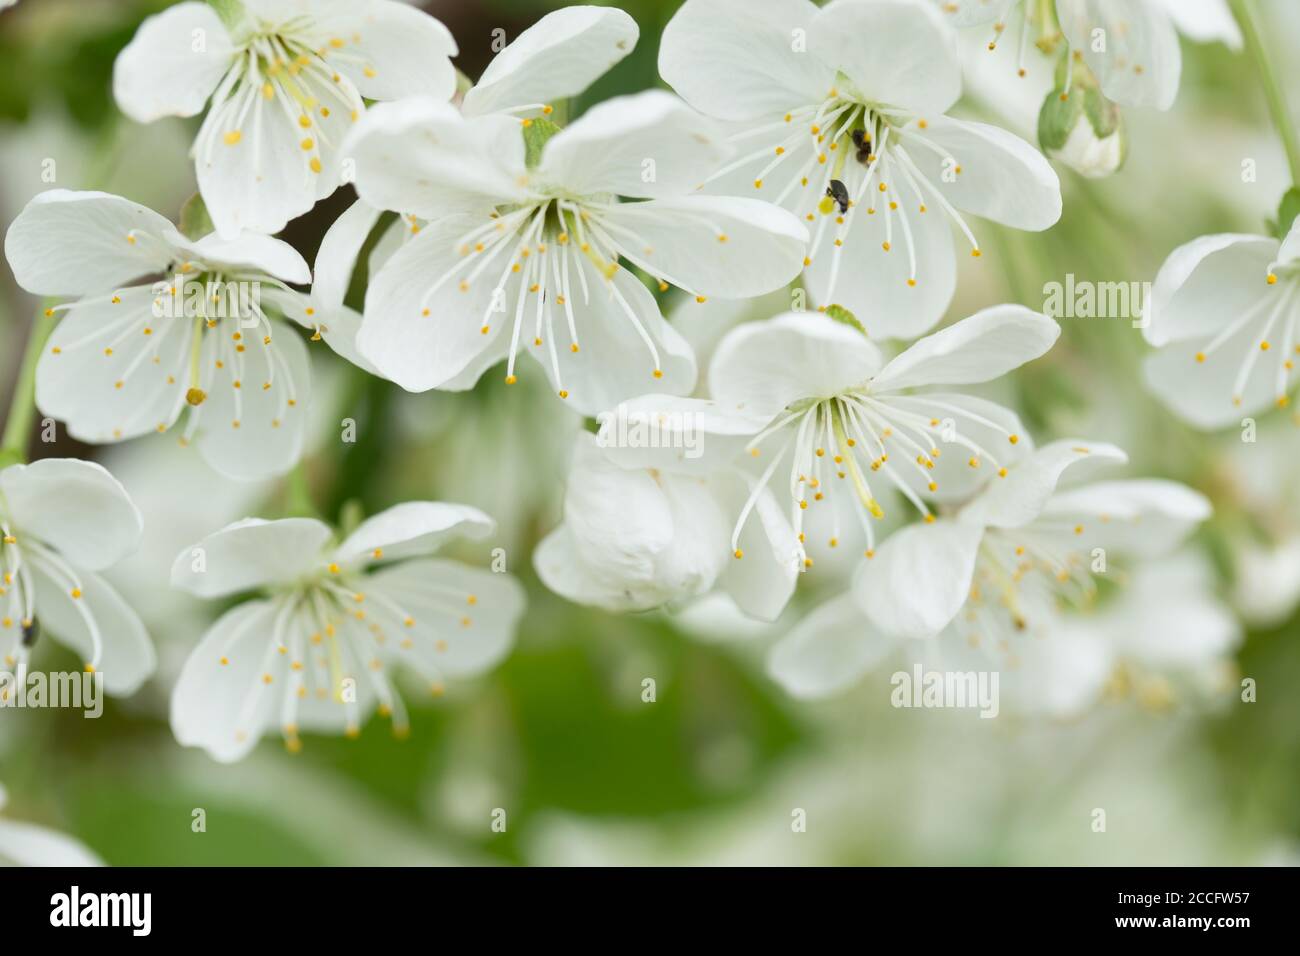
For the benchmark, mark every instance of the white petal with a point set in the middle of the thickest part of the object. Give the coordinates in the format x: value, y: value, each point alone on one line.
x: 828, y: 651
x: 1289, y: 253
x: 614, y: 363
x: 873, y: 283
x: 413, y: 528
x: 1205, y: 22
x: 762, y: 581
x: 421, y: 341
x: 895, y: 52
x: 737, y: 59
x: 96, y: 372
x: 127, y: 656
x: 647, y: 145
x: 557, y: 57
x: 979, y: 348
x: 1204, y: 394
x: 919, y: 579
x: 263, y: 179
x: 210, y: 705
x: 172, y: 64
x: 558, y: 562
x: 1206, y: 283
x: 761, y: 367
x: 1021, y: 496
x: 25, y: 844
x: 403, y: 51
x: 1139, y: 63
x: 73, y: 243
x: 421, y: 156
x: 1002, y: 177
x: 337, y: 325
x: 251, y: 553
x: 442, y: 642
x: 272, y: 422
x: 711, y: 245
x: 957, y: 481
x: 971, y: 13
x: 1146, y: 516
x: 339, y: 249
x: 249, y: 251
x: 75, y: 507
x: 1060, y: 674
x: 1224, y: 289
x: 671, y: 433
x: 1169, y: 616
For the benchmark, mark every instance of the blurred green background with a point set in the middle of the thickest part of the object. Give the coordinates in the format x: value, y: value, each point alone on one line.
x: 559, y: 736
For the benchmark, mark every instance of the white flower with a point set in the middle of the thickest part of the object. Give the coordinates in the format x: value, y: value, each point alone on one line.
x: 991, y: 580
x: 286, y: 83
x: 318, y: 650
x: 559, y: 56
x: 828, y: 416
x: 530, y: 260
x: 1131, y: 46
x: 25, y: 844
x: 1225, y: 315
x: 129, y: 359
x: 840, y: 115
x: 636, y: 536
x: 62, y: 520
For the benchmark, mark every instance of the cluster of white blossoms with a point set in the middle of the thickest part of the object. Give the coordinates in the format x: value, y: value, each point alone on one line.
x: 801, y: 144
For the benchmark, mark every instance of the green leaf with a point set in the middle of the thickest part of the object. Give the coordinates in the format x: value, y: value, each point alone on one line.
x: 195, y: 222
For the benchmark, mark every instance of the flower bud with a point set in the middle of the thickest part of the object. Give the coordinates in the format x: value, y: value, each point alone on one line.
x: 1081, y: 127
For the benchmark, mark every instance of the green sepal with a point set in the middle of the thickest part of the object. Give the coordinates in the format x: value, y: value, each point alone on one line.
x: 231, y: 12
x: 1287, y: 211
x: 841, y: 314
x: 536, y: 132
x: 195, y: 222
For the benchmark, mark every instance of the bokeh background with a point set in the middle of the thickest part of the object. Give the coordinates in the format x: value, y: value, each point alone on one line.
x: 558, y: 736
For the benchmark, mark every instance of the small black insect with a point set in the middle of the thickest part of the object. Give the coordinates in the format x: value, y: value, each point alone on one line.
x: 31, y: 631
x: 863, y: 143
x: 839, y: 193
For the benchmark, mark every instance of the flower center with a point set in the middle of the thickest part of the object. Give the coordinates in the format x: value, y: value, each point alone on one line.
x: 834, y: 159
x: 1021, y: 578
x: 283, y: 73
x: 330, y: 633
x: 855, y: 435
x: 172, y: 342
x: 539, y: 257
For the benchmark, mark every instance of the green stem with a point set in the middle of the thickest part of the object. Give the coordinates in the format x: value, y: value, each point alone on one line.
x: 22, y: 408
x: 1247, y: 19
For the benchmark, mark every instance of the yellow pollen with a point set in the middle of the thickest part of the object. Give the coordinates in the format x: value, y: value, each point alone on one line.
x: 1272, y: 279
x: 233, y: 137
x: 315, y: 164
